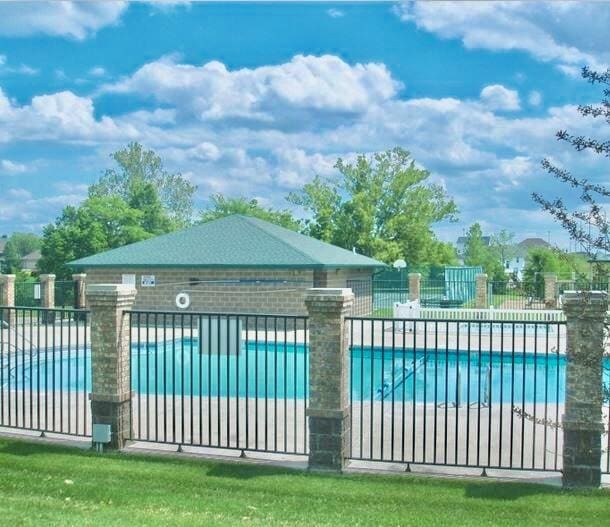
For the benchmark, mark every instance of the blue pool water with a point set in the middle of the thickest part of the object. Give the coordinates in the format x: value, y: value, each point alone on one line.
x: 270, y: 370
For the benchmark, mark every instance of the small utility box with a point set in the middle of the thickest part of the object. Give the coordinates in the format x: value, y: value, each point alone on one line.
x: 101, y: 436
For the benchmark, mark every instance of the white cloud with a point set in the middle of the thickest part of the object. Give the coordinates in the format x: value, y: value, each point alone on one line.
x: 22, y: 69
x: 68, y: 19
x: 61, y: 116
x: 534, y: 98
x: 19, y: 193
x: 10, y: 167
x: 97, y: 71
x: 549, y: 31
x: 335, y: 13
x: 268, y: 94
x: 276, y: 139
x: 497, y: 97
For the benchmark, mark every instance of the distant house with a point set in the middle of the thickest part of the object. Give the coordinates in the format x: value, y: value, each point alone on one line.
x: 460, y: 245
x: 30, y: 261
x: 516, y: 264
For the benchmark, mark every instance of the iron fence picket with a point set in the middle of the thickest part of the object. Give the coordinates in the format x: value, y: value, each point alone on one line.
x: 232, y: 381
x: 458, y: 393
x: 44, y: 372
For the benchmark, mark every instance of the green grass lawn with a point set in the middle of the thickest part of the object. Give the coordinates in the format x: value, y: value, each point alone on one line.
x: 49, y: 485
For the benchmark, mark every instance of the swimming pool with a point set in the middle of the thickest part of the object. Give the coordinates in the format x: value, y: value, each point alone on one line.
x: 281, y: 370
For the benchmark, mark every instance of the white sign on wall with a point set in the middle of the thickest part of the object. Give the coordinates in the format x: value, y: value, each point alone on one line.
x: 148, y: 280
x: 36, y: 291
x: 129, y: 279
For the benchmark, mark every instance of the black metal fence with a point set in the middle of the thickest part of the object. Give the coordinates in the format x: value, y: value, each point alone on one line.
x: 45, y: 370
x: 27, y: 294
x: 65, y: 293
x: 220, y: 380
x: 516, y: 295
x: 458, y: 393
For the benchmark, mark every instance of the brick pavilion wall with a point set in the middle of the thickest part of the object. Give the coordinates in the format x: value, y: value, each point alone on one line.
x: 207, y: 296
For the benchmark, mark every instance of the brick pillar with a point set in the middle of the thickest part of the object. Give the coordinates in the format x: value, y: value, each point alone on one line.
x: 481, y: 296
x: 414, y: 286
x: 550, y: 290
x: 328, y: 410
x: 79, y: 290
x: 582, y: 420
x: 7, y: 298
x: 47, y: 290
x: 110, y: 358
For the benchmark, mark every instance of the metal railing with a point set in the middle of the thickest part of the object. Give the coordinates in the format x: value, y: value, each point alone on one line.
x: 510, y: 295
x: 460, y: 393
x: 45, y: 370
x: 220, y: 380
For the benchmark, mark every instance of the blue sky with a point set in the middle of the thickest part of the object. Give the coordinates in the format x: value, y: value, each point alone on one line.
x: 254, y: 99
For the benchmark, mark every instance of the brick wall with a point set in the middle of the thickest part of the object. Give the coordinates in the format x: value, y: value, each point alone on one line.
x: 207, y: 296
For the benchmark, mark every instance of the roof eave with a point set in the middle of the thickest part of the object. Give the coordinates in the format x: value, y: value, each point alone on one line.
x: 227, y: 266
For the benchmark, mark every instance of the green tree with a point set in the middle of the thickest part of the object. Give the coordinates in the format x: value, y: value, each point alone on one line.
x: 99, y: 224
x: 17, y: 246
x: 143, y: 197
x: 382, y: 207
x: 540, y: 260
x: 478, y: 253
x: 221, y: 206
x: 503, y: 243
x: 137, y: 165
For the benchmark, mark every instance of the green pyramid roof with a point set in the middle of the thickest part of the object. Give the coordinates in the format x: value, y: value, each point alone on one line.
x: 233, y: 241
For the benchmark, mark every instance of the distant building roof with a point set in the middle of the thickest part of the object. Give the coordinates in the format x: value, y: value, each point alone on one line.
x: 234, y: 241
x: 463, y: 239
x: 533, y: 242
x: 525, y: 245
x: 34, y: 255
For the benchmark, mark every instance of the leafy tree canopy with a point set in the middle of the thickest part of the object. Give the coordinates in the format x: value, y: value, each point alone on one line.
x: 587, y: 222
x: 221, y: 206
x: 137, y: 166
x: 98, y: 224
x: 17, y: 246
x: 382, y: 207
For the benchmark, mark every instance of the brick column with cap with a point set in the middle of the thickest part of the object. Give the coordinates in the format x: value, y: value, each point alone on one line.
x: 110, y: 358
x: 80, y: 300
x: 582, y: 421
x: 47, y: 297
x: 328, y: 411
x: 550, y: 290
x: 414, y: 286
x: 481, y: 296
x: 7, y: 299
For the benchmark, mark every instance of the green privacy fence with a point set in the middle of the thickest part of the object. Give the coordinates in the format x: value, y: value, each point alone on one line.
x: 27, y: 294
x: 449, y: 286
x: 64, y: 294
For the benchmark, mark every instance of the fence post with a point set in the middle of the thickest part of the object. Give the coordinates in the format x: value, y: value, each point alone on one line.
x: 7, y: 298
x: 481, y: 296
x: 79, y: 290
x: 550, y: 290
x: 328, y: 411
x: 47, y: 291
x: 110, y: 358
x: 414, y: 286
x: 582, y: 421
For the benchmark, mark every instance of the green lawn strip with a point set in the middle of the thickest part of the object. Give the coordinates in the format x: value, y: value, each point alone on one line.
x: 51, y: 485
